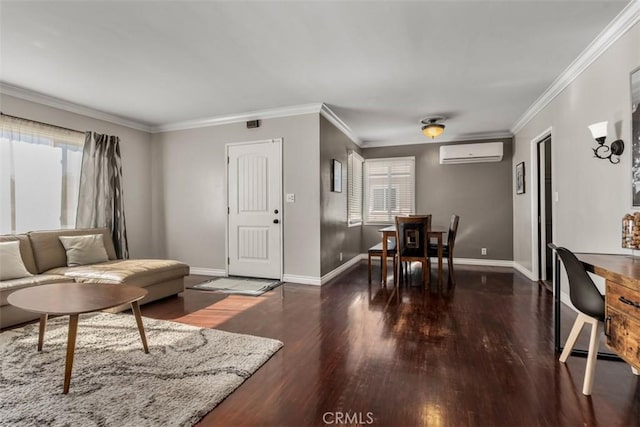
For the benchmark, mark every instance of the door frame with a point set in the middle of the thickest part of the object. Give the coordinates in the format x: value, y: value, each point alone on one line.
x: 279, y: 141
x: 535, y: 190
x: 542, y: 206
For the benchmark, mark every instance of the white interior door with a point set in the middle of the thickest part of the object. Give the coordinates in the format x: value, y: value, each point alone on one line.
x: 255, y: 209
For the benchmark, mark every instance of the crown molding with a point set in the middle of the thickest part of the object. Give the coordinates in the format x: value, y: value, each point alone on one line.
x: 627, y: 18
x: 50, y: 101
x: 328, y: 114
x: 423, y: 141
x: 270, y: 113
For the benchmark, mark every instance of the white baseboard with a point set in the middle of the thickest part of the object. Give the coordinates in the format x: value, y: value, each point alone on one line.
x: 302, y: 280
x: 478, y: 261
x: 207, y: 271
x: 319, y: 281
x: 528, y: 273
x: 341, y: 269
x: 466, y: 261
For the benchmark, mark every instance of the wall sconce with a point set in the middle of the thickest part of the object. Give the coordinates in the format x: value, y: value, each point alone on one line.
x: 599, y: 132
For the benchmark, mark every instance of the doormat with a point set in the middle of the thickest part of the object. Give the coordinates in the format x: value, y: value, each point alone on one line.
x: 238, y: 285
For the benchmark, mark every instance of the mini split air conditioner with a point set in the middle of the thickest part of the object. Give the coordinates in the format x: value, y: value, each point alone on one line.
x: 471, y: 153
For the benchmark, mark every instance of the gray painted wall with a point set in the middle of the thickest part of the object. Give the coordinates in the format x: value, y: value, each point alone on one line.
x: 593, y: 194
x: 135, y: 148
x: 480, y: 193
x: 189, y: 187
x: 335, y: 235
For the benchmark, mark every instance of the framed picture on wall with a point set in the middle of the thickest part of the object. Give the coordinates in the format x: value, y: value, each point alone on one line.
x: 336, y: 176
x: 635, y: 137
x: 520, y: 178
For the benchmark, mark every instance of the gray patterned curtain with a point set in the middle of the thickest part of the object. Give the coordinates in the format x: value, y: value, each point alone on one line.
x: 100, y: 202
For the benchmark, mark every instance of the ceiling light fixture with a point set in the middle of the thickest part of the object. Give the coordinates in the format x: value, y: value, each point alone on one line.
x: 431, y: 128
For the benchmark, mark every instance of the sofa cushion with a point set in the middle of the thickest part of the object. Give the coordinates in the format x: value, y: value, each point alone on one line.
x: 25, y: 250
x: 11, y: 265
x: 135, y: 272
x: 83, y: 250
x: 49, y: 252
x: 8, y: 286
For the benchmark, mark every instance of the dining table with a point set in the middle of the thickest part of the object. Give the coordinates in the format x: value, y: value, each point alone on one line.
x: 434, y: 233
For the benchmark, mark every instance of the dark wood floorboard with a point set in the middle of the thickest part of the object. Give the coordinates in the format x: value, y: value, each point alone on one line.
x: 478, y: 354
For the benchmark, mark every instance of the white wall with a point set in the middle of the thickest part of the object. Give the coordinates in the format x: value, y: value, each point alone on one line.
x: 593, y: 194
x: 136, y: 163
x: 189, y: 186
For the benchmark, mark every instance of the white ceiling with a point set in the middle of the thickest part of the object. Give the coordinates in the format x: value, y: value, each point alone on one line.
x: 381, y: 66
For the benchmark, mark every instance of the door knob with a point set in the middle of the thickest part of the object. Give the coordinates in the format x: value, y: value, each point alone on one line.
x: 275, y: 221
x: 275, y: 211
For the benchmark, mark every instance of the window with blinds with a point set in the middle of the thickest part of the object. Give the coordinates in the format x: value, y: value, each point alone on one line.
x: 39, y: 175
x: 354, y: 188
x: 389, y: 189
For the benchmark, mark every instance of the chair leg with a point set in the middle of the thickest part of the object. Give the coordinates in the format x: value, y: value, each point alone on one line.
x: 573, y: 337
x: 425, y: 273
x: 594, y: 342
x: 369, y: 269
x: 452, y: 276
x: 395, y: 275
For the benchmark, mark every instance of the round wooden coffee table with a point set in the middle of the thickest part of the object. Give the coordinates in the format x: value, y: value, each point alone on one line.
x: 74, y: 299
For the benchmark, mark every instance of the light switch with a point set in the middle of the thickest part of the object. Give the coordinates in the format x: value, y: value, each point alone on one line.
x: 557, y: 197
x: 291, y: 198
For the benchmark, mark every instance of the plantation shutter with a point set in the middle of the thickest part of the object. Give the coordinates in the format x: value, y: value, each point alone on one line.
x: 354, y: 188
x: 389, y: 189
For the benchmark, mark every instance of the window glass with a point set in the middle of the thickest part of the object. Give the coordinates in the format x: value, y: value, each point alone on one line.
x: 389, y: 188
x: 39, y: 176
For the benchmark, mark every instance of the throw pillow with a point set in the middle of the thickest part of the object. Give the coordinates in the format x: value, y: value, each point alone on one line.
x: 11, y: 264
x: 83, y: 250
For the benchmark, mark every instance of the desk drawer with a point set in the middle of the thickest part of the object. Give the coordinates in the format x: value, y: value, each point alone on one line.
x: 623, y: 299
x: 623, y: 336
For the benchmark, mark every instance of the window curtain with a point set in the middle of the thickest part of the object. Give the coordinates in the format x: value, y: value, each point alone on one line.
x: 100, y: 203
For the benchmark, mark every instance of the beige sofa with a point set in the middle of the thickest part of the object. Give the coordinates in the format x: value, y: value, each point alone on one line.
x: 45, y: 257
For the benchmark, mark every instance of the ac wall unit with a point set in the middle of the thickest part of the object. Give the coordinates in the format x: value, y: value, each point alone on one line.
x: 471, y: 153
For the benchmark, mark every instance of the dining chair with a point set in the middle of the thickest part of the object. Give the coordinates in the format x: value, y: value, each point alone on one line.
x: 412, y: 241
x: 589, y: 302
x: 376, y: 251
x: 447, y: 248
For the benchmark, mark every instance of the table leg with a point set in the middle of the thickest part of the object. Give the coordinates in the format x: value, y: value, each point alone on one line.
x: 43, y: 326
x: 384, y: 259
x: 71, y: 347
x: 439, y: 259
x: 136, y: 311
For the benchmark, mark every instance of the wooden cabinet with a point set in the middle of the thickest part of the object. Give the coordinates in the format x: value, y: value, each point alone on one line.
x: 622, y: 322
x: 622, y: 299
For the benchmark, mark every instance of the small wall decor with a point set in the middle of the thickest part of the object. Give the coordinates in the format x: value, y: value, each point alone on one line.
x: 635, y: 137
x: 336, y: 176
x: 520, y: 178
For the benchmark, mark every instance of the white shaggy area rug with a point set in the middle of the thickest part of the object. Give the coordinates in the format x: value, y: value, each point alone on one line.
x: 187, y: 372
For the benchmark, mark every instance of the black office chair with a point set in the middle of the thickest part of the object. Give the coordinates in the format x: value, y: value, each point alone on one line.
x: 586, y: 298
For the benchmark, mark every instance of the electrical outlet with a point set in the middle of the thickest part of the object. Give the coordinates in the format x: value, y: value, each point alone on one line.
x: 291, y: 198
x: 340, y: 256
x: 483, y: 251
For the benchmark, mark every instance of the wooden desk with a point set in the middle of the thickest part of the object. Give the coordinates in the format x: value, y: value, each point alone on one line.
x: 390, y: 231
x: 622, y: 302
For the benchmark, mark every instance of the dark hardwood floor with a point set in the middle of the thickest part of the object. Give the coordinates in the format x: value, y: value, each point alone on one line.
x: 479, y: 354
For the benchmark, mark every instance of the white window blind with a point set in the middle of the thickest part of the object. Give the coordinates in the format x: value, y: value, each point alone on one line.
x: 354, y: 188
x: 389, y: 188
x: 39, y: 176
